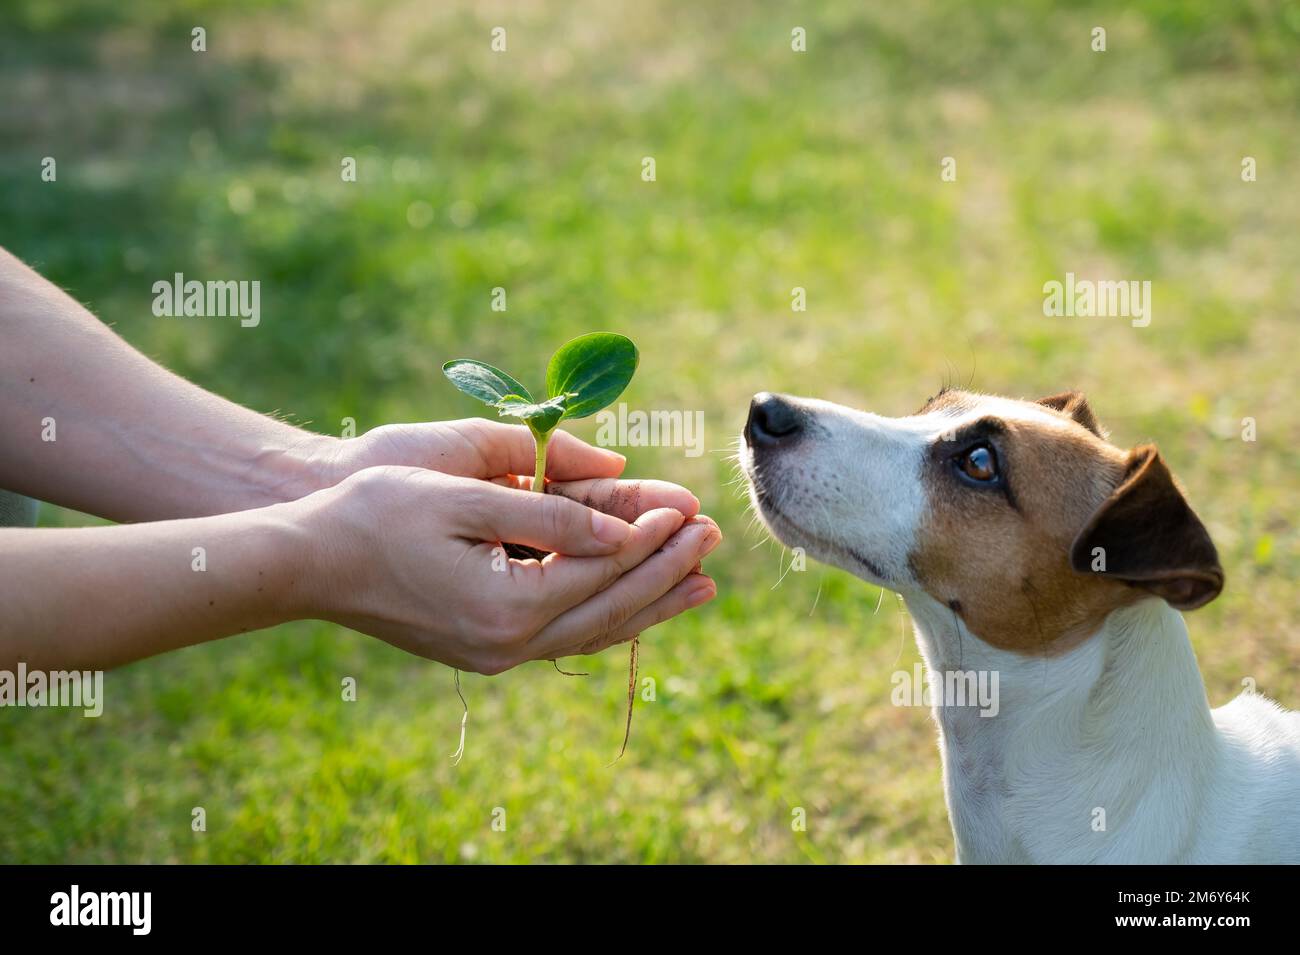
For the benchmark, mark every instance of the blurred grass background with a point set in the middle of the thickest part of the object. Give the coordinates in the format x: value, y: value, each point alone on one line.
x: 522, y: 169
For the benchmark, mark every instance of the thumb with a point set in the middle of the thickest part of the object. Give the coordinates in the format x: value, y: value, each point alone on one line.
x: 545, y: 521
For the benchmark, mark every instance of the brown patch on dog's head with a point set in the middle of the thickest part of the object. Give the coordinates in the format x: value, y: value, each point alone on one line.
x: 1075, y: 406
x: 1013, y: 556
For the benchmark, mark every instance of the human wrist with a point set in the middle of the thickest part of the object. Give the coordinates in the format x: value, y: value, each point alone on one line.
x: 289, y: 540
x: 316, y: 539
x: 292, y: 467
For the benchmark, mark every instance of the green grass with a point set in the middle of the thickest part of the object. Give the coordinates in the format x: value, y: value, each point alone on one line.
x: 774, y: 170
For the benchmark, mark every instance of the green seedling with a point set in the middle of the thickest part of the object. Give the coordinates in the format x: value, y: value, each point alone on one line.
x: 583, y: 377
x: 586, y: 375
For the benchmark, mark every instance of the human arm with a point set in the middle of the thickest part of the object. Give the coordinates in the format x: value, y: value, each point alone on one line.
x: 407, y: 555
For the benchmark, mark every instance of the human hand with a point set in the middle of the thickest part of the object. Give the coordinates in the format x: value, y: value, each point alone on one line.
x: 414, y: 557
x: 469, y: 447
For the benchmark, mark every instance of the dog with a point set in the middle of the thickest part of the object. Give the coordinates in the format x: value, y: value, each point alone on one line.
x: 1027, y: 546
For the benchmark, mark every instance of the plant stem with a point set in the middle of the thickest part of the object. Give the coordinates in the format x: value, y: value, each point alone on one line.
x: 539, y: 469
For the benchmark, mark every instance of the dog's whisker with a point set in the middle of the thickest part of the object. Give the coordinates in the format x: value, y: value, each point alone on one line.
x: 786, y: 572
x: 903, y: 632
x: 818, y: 597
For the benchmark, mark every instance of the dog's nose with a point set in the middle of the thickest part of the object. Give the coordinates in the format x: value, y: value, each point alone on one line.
x: 772, y: 419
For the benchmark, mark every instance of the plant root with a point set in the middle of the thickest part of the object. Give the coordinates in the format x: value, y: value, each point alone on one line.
x: 632, y: 667
x: 464, y: 718
x: 556, y: 664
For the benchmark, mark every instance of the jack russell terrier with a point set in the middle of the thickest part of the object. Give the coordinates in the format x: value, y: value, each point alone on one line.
x: 1027, y: 546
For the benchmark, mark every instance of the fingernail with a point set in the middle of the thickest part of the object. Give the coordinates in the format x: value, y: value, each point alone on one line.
x: 608, y: 529
x: 701, y: 594
x: 710, y: 539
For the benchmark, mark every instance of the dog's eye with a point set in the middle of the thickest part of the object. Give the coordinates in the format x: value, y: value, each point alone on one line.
x: 978, y: 464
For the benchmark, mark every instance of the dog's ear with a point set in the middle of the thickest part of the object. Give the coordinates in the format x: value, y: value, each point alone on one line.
x: 1146, y: 535
x: 1074, y: 405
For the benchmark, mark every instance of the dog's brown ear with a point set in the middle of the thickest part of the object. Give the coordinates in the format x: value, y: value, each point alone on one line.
x: 1074, y: 405
x: 1147, y: 535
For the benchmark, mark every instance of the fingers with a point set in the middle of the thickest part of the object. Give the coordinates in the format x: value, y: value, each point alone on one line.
x: 627, y: 499
x: 612, y: 608
x: 489, y: 449
x: 570, y: 459
x: 694, y: 590
x: 564, y: 582
x: 545, y: 521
